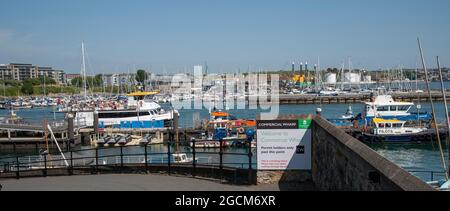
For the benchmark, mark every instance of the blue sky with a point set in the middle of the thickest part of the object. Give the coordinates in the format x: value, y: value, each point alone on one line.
x: 172, y: 35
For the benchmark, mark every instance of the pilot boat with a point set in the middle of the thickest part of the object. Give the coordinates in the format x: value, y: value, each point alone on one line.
x: 391, y: 130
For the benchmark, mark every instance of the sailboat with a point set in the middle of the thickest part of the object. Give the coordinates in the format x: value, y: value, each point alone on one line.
x: 140, y: 110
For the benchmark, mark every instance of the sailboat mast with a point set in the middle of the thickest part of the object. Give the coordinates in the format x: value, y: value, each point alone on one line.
x: 446, y: 108
x: 433, y: 110
x: 83, y: 70
x: 4, y: 84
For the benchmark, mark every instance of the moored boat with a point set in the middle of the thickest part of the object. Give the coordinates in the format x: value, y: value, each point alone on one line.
x: 391, y: 130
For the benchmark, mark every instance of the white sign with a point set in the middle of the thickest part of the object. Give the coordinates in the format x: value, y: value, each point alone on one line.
x: 284, y: 144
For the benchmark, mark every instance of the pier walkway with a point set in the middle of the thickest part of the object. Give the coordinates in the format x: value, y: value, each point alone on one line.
x: 136, y: 182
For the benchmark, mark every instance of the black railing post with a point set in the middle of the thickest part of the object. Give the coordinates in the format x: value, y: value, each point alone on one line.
x: 96, y: 160
x: 194, y: 160
x: 71, y: 163
x: 221, y: 159
x: 45, y: 165
x: 168, y: 157
x: 18, y: 168
x: 250, y: 155
x: 121, y: 158
x: 146, y: 158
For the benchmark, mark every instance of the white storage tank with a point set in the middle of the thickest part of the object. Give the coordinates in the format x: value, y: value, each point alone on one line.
x: 352, y: 77
x: 330, y: 78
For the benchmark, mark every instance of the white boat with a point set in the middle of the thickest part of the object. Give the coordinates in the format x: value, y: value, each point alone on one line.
x: 394, y: 127
x: 348, y: 114
x: 391, y: 130
x: 384, y: 106
x: 140, y: 107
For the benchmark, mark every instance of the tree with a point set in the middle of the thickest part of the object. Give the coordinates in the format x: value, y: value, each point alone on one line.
x: 47, y: 80
x: 27, y: 88
x: 78, y: 82
x: 141, y: 75
x: 98, y: 80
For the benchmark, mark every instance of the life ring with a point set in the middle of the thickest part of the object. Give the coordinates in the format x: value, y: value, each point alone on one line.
x: 241, y: 130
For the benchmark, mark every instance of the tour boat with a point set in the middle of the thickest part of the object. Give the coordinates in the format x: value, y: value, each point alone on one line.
x: 140, y: 108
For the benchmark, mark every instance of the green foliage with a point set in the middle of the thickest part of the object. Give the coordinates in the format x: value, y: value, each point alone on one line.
x: 55, y: 89
x: 27, y: 88
x: 9, y: 91
x: 10, y: 82
x: 90, y: 81
x: 78, y: 82
x: 141, y: 75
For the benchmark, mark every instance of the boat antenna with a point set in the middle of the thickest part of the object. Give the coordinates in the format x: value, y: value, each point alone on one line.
x: 436, y: 127
x: 446, y: 108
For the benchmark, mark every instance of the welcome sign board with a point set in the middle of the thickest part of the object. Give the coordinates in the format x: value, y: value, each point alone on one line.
x: 284, y: 144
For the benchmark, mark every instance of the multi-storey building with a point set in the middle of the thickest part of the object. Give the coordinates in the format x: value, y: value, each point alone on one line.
x: 21, y: 72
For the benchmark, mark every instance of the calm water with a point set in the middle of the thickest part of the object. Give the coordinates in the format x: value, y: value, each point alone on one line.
x: 413, y: 157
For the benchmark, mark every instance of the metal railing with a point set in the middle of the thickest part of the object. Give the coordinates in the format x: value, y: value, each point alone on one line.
x: 121, y: 159
x: 428, y: 175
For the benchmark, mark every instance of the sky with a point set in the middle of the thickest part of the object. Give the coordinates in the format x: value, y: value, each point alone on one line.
x: 170, y: 36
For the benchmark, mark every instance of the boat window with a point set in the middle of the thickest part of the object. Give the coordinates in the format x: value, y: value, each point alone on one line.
x: 138, y: 98
x: 393, y: 108
x: 403, y: 108
x: 148, y: 98
x: 382, y: 108
x: 397, y: 125
x: 381, y: 125
x: 177, y: 158
x: 122, y: 114
x: 388, y: 125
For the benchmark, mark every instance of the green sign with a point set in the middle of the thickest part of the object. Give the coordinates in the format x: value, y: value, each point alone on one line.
x: 304, y: 123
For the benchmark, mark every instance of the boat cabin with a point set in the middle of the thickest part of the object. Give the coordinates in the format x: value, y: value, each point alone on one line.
x: 385, y: 106
x: 135, y: 97
x: 392, y: 127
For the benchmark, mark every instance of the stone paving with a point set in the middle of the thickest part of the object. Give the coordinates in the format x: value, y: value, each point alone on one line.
x: 134, y: 182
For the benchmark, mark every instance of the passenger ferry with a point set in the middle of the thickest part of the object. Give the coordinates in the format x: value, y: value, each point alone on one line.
x: 140, y: 107
x: 391, y: 130
x: 384, y: 106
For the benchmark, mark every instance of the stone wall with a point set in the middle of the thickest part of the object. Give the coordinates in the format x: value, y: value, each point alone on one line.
x: 343, y: 163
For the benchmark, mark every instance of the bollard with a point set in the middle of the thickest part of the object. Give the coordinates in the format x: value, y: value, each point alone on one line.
x: 318, y: 111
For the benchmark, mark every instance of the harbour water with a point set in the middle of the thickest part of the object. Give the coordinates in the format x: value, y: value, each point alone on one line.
x: 417, y: 158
